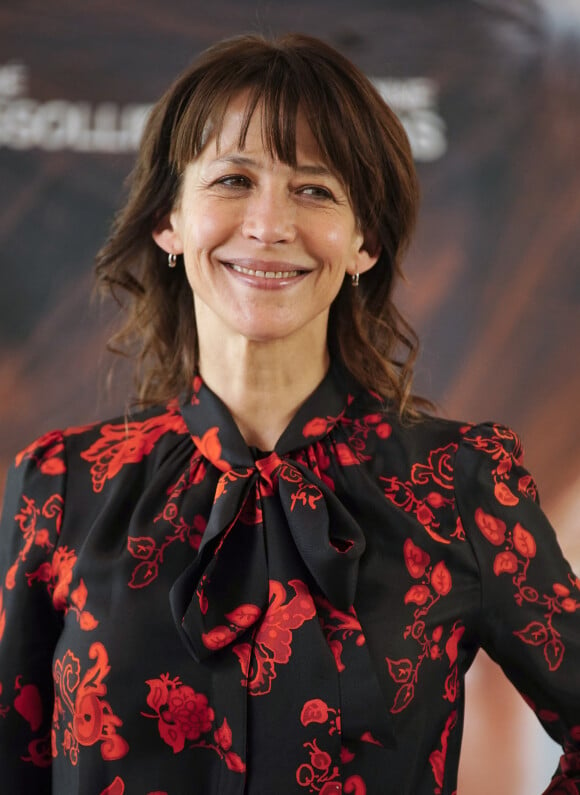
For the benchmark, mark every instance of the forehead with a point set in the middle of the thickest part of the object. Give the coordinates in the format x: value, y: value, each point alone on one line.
x: 246, y: 124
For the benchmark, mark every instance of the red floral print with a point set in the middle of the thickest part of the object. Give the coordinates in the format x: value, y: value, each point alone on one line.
x: 210, y: 447
x: 147, y: 550
x: 116, y: 788
x: 129, y: 443
x: 493, y: 529
x: 360, y: 430
x: 220, y: 637
x: 58, y: 575
x: 50, y: 460
x: 273, y: 640
x: 272, y: 468
x: 504, y: 495
x: 523, y: 541
x: 289, y: 473
x: 527, y: 487
x: 48, y: 451
x: 39, y: 752
x: 318, y: 426
x: 441, y: 579
x: 244, y: 615
x: 230, y: 477
x: 31, y: 521
x: 240, y: 619
x: 438, y: 472
x: 307, y: 494
x: 38, y: 526
x: 437, y: 579
x: 315, y: 458
x: 184, y: 714
x: 416, y: 559
x: 314, y: 711
x: 437, y: 758
x: 351, y: 453
x: 317, y: 711
x: 28, y: 704
x: 81, y: 716
x: 338, y: 626
x: 497, y: 446
x: 197, y: 384
x: 318, y: 773
x: 354, y: 785
x: 268, y: 468
x: 436, y: 583
x: 402, y: 494
x: 519, y: 548
x: 439, y: 467
x: 345, y: 455
x: 190, y: 710
x: 505, y: 563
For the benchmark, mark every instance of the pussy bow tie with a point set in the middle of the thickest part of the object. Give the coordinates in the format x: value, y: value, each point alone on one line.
x: 272, y: 498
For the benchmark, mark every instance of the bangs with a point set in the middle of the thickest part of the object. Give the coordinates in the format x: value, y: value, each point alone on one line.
x: 279, y: 86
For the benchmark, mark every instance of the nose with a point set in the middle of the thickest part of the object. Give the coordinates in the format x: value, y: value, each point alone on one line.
x: 269, y: 216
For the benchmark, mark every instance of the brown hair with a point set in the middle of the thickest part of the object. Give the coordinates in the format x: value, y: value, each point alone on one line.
x: 361, y: 140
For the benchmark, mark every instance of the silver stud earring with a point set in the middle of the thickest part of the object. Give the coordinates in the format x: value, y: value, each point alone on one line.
x: 355, y: 279
x: 172, y: 260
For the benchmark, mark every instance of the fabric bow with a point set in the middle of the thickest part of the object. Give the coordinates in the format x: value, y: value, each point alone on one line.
x: 273, y: 520
x: 225, y: 590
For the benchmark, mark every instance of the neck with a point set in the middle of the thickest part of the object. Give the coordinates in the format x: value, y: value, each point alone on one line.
x: 263, y: 384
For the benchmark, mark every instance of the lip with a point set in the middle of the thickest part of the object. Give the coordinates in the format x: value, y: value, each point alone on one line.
x: 269, y: 274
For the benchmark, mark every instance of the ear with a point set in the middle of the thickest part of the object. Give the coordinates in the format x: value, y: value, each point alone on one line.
x: 367, y: 254
x: 166, y: 234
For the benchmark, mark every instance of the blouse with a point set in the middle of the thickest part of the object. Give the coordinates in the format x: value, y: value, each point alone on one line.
x: 180, y: 613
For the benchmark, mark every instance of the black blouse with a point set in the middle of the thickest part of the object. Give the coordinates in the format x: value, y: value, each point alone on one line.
x: 181, y: 614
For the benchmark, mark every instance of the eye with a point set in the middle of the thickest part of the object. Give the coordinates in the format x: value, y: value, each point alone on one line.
x: 233, y: 181
x: 316, y: 192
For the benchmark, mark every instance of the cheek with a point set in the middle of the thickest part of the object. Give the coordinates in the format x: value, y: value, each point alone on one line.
x: 204, y: 231
x: 334, y: 238
x: 337, y: 241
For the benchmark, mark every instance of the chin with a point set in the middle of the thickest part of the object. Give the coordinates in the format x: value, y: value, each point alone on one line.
x: 265, y: 336
x: 267, y: 330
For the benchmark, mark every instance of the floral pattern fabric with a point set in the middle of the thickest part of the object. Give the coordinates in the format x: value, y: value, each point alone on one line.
x: 182, y: 614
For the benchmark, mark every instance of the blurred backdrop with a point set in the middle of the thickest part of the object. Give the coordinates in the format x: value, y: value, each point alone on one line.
x: 489, y: 93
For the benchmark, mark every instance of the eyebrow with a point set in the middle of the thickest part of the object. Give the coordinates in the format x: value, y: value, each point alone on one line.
x: 307, y: 170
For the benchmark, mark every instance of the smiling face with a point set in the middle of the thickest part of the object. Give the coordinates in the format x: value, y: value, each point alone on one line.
x: 266, y: 245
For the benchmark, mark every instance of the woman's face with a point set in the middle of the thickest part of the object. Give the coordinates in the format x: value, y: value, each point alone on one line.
x: 266, y: 246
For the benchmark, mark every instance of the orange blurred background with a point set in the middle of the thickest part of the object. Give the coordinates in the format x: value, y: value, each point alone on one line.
x: 488, y: 92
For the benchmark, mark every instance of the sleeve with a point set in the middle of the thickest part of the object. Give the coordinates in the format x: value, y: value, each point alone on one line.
x: 29, y: 622
x: 530, y: 598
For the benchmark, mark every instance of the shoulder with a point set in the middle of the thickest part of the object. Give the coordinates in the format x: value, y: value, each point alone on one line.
x: 490, y: 461
x: 456, y: 453
x: 427, y: 433
x: 125, y: 437
x: 417, y: 438
x: 468, y: 451
x: 494, y: 439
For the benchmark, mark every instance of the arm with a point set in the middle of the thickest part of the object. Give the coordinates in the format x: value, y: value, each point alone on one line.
x: 530, y: 608
x: 29, y: 623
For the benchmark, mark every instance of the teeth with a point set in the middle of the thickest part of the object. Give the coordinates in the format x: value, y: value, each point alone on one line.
x: 265, y: 274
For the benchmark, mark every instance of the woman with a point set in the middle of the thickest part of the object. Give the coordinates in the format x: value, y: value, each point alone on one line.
x: 274, y: 576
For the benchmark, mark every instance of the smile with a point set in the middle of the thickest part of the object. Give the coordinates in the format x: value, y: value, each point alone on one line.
x: 265, y: 274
